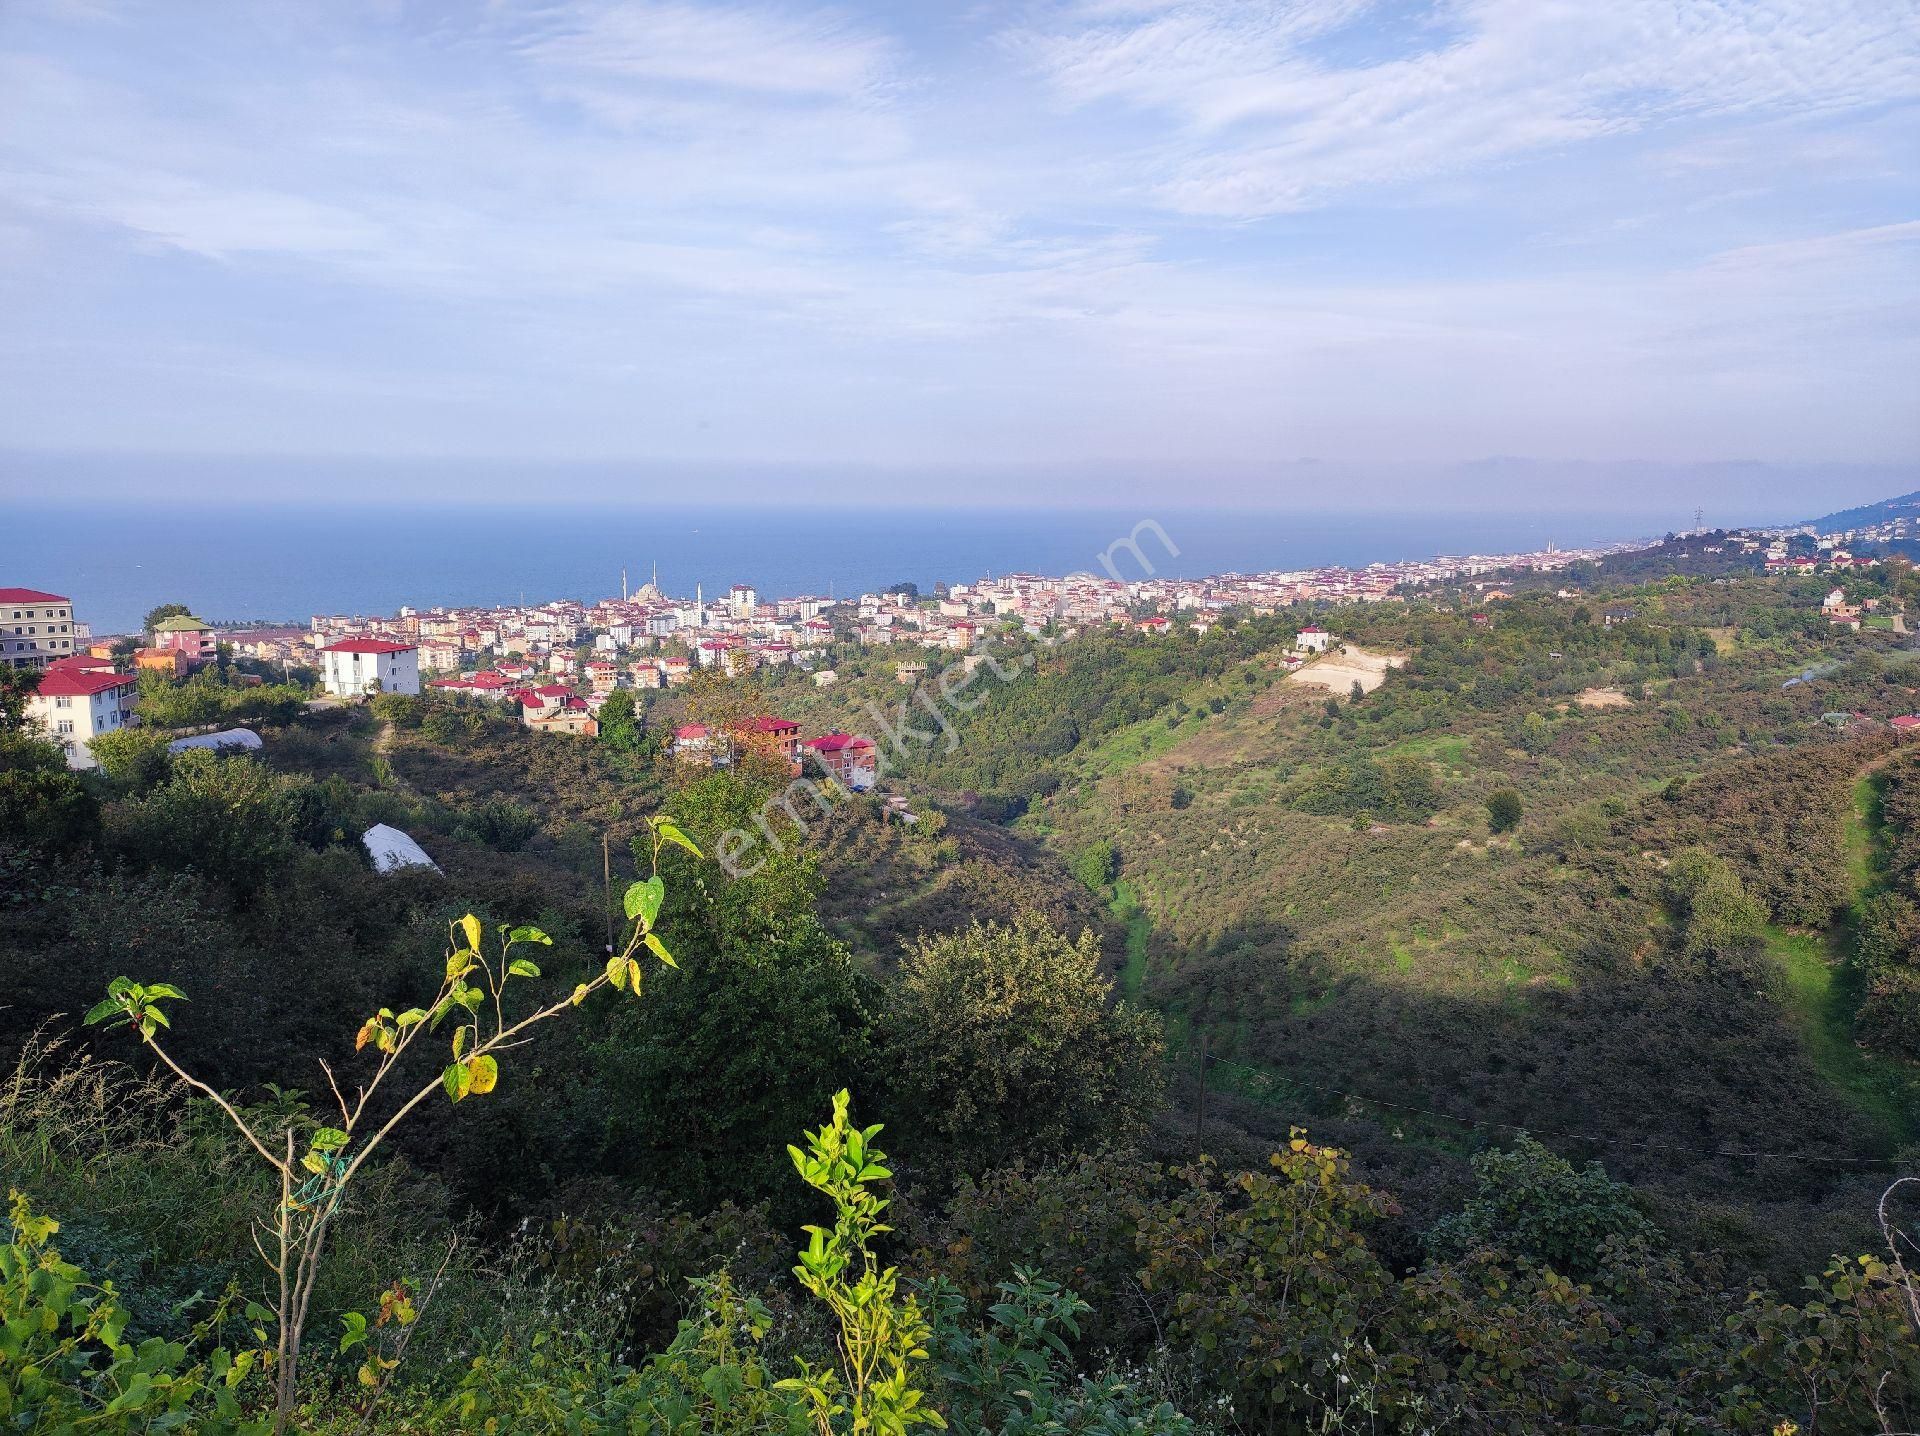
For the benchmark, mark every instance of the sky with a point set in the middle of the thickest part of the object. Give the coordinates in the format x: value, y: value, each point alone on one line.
x: 990, y: 249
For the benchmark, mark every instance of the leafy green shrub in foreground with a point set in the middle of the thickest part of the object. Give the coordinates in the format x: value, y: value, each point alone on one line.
x: 66, y: 1365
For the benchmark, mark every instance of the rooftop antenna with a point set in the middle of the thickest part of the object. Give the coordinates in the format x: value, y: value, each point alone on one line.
x: 1698, y: 516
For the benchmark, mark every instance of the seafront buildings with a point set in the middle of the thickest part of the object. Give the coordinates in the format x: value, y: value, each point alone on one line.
x: 557, y: 661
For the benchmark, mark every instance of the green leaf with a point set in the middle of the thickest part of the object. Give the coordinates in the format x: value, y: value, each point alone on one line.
x: 409, y: 1017
x: 356, y: 1325
x: 315, y: 1163
x: 166, y: 989
x: 670, y: 830
x: 520, y: 967
x: 329, y: 1139
x: 470, y: 925
x: 659, y: 950
x: 456, y: 1081
x: 460, y: 1042
x: 617, y: 971
x: 644, y: 898
x: 529, y: 934
x: 102, y: 1010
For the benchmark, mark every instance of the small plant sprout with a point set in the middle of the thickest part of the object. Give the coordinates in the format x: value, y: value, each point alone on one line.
x: 472, y: 997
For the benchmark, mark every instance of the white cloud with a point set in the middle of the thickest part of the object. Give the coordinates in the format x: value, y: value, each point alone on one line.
x: 1266, y: 125
x: 585, y: 222
x: 809, y: 54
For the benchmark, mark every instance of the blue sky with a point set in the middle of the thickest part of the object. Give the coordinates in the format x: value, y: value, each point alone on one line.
x: 1037, y: 236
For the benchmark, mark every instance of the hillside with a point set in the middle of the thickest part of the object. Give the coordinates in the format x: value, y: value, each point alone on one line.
x: 1312, y: 883
x: 1527, y: 969
x: 1882, y: 511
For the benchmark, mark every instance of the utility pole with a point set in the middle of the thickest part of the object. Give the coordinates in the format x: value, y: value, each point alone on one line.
x: 1200, y: 1110
x: 606, y: 886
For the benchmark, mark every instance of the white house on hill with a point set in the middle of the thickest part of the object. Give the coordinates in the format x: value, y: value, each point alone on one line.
x: 79, y: 699
x: 356, y: 667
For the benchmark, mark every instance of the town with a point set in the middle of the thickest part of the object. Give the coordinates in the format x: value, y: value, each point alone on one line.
x: 558, y: 661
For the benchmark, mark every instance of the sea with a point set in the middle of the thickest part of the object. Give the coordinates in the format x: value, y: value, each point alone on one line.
x: 235, y: 563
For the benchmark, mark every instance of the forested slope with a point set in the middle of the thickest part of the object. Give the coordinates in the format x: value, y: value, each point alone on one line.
x: 1623, y: 887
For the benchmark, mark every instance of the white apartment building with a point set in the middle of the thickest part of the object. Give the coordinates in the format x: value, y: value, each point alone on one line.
x: 355, y: 667
x: 76, y: 704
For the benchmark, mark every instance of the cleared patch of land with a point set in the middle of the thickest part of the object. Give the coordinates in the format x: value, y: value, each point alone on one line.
x: 1603, y: 698
x: 1338, y: 672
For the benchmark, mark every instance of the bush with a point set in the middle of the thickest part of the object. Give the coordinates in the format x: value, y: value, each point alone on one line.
x: 1097, y: 864
x: 1003, y: 1043
x: 135, y: 757
x: 500, y: 824
x: 1504, y: 810
x: 43, y: 806
x: 1532, y: 1203
x: 1719, y: 922
x: 66, y: 1365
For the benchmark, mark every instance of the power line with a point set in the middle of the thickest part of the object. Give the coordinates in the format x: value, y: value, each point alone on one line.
x: 1534, y: 1129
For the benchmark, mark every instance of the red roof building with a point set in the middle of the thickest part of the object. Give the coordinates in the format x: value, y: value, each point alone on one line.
x: 356, y: 667
x: 847, y: 759
x: 367, y: 645
x: 76, y: 705
x: 65, y: 682
x: 35, y: 627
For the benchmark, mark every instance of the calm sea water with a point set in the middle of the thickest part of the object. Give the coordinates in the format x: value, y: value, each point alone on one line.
x: 283, y: 563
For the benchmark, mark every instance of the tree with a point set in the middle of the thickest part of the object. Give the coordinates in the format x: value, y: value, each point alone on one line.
x: 1503, y: 810
x: 17, y: 685
x: 1003, y: 1043
x: 1097, y: 864
x: 314, y: 1188
x: 137, y: 757
x: 1720, y: 922
x: 1536, y: 734
x: 1270, y: 1275
x: 619, y: 723
x: 1531, y: 1202
x: 753, y: 1032
x: 164, y: 611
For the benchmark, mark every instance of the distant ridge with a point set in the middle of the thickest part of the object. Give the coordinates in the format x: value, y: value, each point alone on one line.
x: 1879, y: 512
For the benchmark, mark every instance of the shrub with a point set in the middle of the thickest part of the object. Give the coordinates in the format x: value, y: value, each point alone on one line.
x: 1532, y: 1203
x: 1004, y: 1043
x: 66, y: 1365
x: 1504, y: 810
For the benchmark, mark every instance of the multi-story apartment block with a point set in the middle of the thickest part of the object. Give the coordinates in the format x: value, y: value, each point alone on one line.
x: 35, y: 628
x: 80, y: 698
